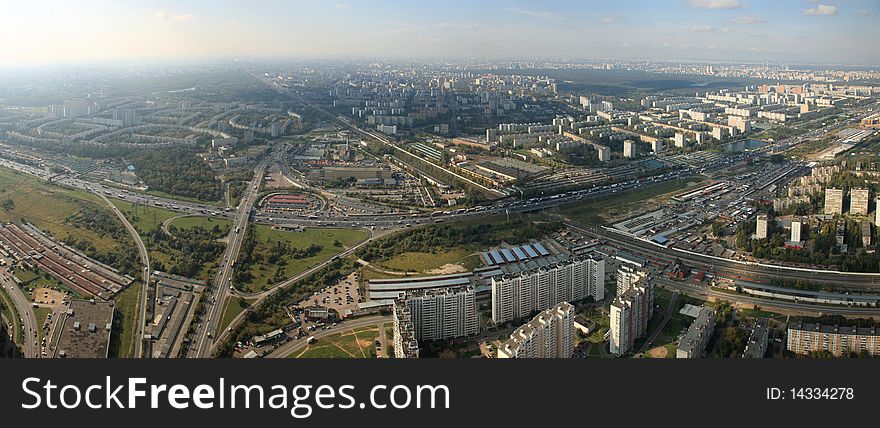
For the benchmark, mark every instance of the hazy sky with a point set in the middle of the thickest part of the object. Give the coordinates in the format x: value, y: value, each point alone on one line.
x: 49, y: 31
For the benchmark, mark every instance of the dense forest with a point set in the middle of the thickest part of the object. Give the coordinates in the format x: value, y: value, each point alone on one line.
x: 178, y: 171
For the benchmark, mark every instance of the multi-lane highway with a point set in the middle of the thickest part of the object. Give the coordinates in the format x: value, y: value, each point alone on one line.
x: 216, y: 295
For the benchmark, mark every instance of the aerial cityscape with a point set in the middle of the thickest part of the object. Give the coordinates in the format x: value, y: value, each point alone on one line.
x: 527, y: 179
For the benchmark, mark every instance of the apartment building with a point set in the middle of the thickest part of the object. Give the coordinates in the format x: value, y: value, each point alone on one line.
x: 550, y: 334
x: 858, y: 201
x: 693, y: 343
x: 518, y: 295
x: 839, y: 340
x: 833, y: 201
x: 404, y: 336
x: 443, y: 313
x: 761, y: 227
x: 629, y: 319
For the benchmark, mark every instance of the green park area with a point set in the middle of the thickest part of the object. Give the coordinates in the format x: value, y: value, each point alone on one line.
x: 357, y: 343
x: 207, y: 223
x: 269, y: 256
x: 619, y: 206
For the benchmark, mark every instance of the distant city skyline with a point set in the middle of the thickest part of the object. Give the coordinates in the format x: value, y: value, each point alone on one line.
x: 798, y: 31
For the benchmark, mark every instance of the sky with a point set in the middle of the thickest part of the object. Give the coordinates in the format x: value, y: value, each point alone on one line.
x: 50, y: 32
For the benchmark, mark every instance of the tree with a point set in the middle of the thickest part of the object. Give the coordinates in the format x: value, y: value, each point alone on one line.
x: 8, y: 205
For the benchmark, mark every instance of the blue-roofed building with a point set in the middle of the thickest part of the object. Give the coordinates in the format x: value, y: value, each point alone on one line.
x: 508, y: 255
x: 543, y: 251
x: 519, y: 253
x: 530, y: 251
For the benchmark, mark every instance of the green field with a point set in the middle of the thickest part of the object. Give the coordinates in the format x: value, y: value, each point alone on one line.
x: 206, y: 223
x: 47, y: 206
x: 425, y: 262
x: 597, y: 211
x: 234, y: 306
x: 125, y: 322
x: 359, y: 343
x: 264, y: 274
x: 142, y: 217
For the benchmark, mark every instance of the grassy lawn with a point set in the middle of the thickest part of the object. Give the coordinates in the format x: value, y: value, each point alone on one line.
x: 143, y: 217
x: 263, y: 272
x: 42, y: 314
x: 424, y: 262
x: 125, y: 322
x: 359, y: 343
x: 234, y: 306
x: 47, y: 206
x: 206, y: 223
x: 598, y: 211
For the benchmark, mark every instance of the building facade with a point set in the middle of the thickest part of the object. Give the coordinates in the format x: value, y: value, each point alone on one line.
x: 838, y: 340
x: 833, y: 201
x: 629, y: 319
x: 517, y: 296
x: 693, y: 343
x: 549, y: 335
x: 761, y: 227
x: 858, y: 201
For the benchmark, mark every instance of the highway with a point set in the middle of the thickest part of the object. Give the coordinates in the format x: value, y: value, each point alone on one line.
x: 25, y: 309
x: 222, y: 283
x: 145, y: 305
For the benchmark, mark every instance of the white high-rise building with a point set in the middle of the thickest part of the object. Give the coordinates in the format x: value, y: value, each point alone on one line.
x: 680, y: 140
x: 858, y: 201
x: 629, y: 149
x: 517, y: 296
x: 442, y: 313
x: 877, y: 212
x: 550, y: 334
x: 629, y: 319
x: 403, y: 335
x: 833, y: 201
x: 761, y: 227
x: 796, y: 225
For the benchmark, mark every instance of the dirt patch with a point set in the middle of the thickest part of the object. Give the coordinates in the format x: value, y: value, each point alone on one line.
x: 447, y: 269
x: 659, y: 352
x: 48, y: 296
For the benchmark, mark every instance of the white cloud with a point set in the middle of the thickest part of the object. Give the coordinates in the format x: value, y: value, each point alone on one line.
x: 165, y: 16
x: 821, y: 10
x: 701, y: 28
x: 748, y: 19
x: 606, y: 20
x: 342, y: 5
x: 717, y: 4
x: 865, y: 12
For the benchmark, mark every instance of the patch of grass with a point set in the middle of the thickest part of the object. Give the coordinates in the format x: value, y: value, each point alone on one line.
x: 263, y: 273
x: 234, y: 306
x: 358, y: 343
x: 142, y: 217
x: 598, y: 211
x: 423, y: 262
x: 41, y: 314
x: 125, y: 322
